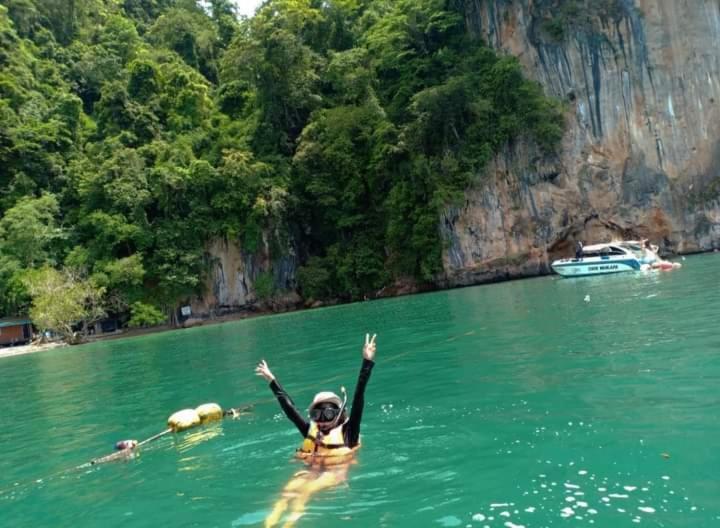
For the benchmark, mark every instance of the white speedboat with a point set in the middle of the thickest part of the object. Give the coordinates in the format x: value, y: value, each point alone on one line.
x: 612, y: 257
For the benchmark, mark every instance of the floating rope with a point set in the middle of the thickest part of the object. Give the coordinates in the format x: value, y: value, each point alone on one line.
x: 126, y: 449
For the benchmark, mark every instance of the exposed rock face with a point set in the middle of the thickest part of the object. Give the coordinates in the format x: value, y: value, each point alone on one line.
x: 641, y: 156
x: 230, y: 285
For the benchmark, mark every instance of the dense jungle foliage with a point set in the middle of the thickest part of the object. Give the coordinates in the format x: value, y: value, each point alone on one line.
x: 132, y: 132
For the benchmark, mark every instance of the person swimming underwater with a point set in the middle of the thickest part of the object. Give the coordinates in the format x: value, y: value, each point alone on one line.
x: 330, y: 438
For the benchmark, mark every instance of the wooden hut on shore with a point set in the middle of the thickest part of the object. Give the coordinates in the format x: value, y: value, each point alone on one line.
x: 14, y: 331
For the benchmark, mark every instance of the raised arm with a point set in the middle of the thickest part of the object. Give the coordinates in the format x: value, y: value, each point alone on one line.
x: 352, y: 427
x: 284, y: 399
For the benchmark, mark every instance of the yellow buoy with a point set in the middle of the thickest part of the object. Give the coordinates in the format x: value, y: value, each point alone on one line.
x: 184, y: 419
x: 209, y: 412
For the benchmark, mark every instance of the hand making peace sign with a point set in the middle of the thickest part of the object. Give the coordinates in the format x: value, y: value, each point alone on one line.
x: 369, y: 348
x: 263, y: 370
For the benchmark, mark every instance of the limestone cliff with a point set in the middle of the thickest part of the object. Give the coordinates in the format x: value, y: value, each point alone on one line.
x: 641, y: 155
x: 232, y: 281
x: 640, y: 158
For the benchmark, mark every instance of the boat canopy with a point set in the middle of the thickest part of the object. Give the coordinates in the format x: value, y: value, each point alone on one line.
x: 601, y: 250
x: 625, y: 247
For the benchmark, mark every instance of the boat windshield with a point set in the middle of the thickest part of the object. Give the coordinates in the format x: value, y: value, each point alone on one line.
x: 605, y: 251
x: 635, y: 248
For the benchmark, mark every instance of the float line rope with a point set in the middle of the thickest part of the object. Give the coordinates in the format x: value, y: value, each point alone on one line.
x: 126, y: 452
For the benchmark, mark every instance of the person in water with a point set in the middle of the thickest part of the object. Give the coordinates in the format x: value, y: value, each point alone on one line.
x: 331, y: 438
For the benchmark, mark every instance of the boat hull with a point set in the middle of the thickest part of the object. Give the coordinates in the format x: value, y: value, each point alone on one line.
x: 589, y: 267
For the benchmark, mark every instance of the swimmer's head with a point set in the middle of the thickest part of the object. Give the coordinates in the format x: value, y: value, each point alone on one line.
x: 326, y: 397
x: 326, y: 409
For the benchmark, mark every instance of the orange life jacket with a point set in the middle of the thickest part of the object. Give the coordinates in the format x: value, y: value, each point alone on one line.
x: 325, y: 449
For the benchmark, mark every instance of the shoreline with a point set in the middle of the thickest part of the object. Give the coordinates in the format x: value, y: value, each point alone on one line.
x: 136, y: 332
x: 250, y: 314
x: 29, y: 349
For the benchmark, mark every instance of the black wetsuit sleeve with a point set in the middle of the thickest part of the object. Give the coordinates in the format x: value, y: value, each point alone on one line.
x: 289, y: 409
x: 351, y: 429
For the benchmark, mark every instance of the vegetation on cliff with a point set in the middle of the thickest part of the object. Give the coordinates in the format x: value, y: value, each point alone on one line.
x: 561, y: 17
x: 133, y: 132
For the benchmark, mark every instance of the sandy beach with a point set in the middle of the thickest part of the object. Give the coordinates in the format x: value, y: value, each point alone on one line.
x: 28, y: 349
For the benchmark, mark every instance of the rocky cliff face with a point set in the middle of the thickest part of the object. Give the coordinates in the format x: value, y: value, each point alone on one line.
x: 232, y: 283
x: 641, y: 156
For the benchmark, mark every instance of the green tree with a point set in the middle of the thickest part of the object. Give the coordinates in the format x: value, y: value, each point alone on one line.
x: 123, y: 281
x: 264, y: 286
x: 133, y: 133
x: 145, y: 315
x: 62, y: 301
x: 272, y: 56
x: 189, y: 33
x: 29, y: 231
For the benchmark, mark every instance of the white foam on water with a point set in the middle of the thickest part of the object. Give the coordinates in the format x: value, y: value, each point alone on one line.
x: 571, y: 486
x: 646, y: 509
x: 530, y: 509
x: 629, y: 488
x: 505, y: 514
x: 618, y: 496
x: 582, y: 472
x: 605, y: 499
x: 569, y: 499
x: 602, y: 490
x: 501, y: 505
x: 665, y: 477
x: 449, y: 521
x: 592, y: 511
x: 479, y: 517
x: 582, y: 504
x: 567, y: 512
x: 513, y: 525
x: 621, y: 510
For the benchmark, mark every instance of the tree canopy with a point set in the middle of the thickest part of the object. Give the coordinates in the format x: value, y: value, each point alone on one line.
x: 134, y: 133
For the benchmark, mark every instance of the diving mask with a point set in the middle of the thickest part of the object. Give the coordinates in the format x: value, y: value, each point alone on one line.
x: 324, y: 412
x: 328, y: 411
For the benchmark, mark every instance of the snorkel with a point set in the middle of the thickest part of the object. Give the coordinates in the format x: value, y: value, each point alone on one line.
x: 333, y: 424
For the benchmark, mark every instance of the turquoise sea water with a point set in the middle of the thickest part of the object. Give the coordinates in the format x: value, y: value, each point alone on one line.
x: 515, y: 404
